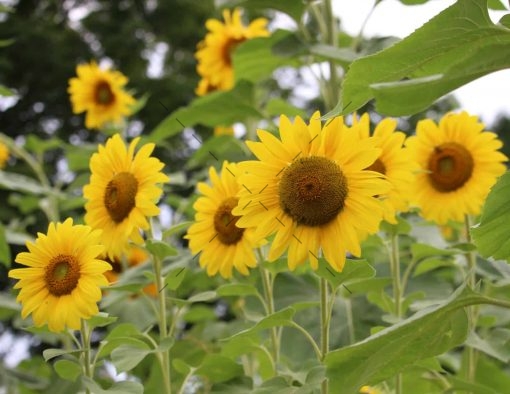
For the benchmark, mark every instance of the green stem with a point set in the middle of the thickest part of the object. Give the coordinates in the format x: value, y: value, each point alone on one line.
x: 472, y: 354
x: 162, y: 321
x: 88, y: 371
x: 325, y: 319
x: 350, y: 320
x: 268, y: 285
x: 397, y: 292
x: 331, y: 39
x: 310, y: 339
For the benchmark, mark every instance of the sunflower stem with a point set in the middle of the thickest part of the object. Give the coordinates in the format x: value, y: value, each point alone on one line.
x: 333, y: 85
x: 88, y: 371
x: 162, y: 321
x: 267, y: 284
x: 325, y: 319
x: 472, y: 354
x: 397, y: 291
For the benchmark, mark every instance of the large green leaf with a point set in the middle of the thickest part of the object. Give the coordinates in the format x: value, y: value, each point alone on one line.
x: 491, y: 235
x: 426, y: 334
x: 455, y: 47
x: 255, y: 59
x: 216, y: 108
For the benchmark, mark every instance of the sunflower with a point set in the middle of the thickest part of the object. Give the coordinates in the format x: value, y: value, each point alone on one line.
x: 122, y: 192
x: 460, y: 162
x: 4, y: 155
x: 135, y: 256
x: 311, y: 189
x: 61, y: 283
x: 222, y: 244
x: 214, y: 52
x: 100, y: 93
x: 394, y: 162
x: 369, y: 390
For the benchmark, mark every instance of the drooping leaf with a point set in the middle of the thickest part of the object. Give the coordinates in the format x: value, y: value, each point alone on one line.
x: 491, y: 235
x: 126, y: 357
x: 160, y: 249
x: 210, y: 110
x: 455, y: 47
x: 426, y: 334
x: 175, y: 277
x: 67, y: 369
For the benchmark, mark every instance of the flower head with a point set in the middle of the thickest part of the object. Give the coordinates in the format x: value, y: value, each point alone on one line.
x: 61, y: 283
x: 222, y: 244
x: 215, y: 51
x: 4, y: 155
x: 101, y: 94
x: 310, y: 187
x: 394, y: 162
x: 123, y: 191
x: 459, y: 161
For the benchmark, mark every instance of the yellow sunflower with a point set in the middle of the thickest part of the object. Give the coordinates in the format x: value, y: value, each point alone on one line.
x: 4, y: 155
x: 311, y: 189
x: 394, y: 162
x: 123, y: 191
x: 222, y: 244
x: 61, y: 283
x: 370, y: 390
x: 214, y: 52
x: 460, y: 162
x: 101, y: 94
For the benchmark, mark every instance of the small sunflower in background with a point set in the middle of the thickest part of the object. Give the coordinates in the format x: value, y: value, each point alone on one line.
x: 214, y: 53
x: 459, y: 164
x: 4, y: 155
x: 223, y: 130
x: 100, y: 93
x: 123, y: 191
x: 394, y: 162
x: 61, y: 283
x: 134, y: 257
x: 222, y: 245
x: 370, y: 390
x: 310, y: 187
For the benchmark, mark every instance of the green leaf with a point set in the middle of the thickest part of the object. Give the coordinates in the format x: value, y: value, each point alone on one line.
x: 48, y: 354
x: 102, y: 319
x: 455, y: 47
x: 218, y: 368
x: 160, y: 249
x: 68, y: 370
x: 278, y: 106
x: 6, y: 92
x: 496, y: 5
x: 236, y: 290
x: 255, y: 59
x: 426, y: 334
x: 430, y: 264
x: 342, y: 55
x: 354, y: 270
x: 422, y: 251
x: 277, y: 319
x: 210, y: 110
x: 491, y: 235
x: 126, y: 387
x: 175, y: 277
x: 292, y: 8
x: 176, y: 229
x: 126, y: 357
x: 22, y: 183
x: 238, y: 346
x: 204, y: 296
x: 5, y: 251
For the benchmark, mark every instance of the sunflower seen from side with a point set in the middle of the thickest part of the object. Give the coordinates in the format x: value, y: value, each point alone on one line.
x: 394, y: 162
x: 100, y: 93
x: 214, y: 53
x: 60, y: 284
x: 122, y: 193
x: 222, y: 245
x: 4, y: 155
x: 310, y: 188
x: 459, y: 163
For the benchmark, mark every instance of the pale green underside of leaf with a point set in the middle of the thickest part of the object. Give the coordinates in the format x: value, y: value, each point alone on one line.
x: 455, y: 47
x: 491, y: 236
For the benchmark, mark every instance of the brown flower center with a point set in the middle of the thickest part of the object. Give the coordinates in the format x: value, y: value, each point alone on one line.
x: 450, y: 166
x: 313, y: 191
x: 377, y: 166
x: 104, y: 94
x: 225, y: 223
x: 62, y: 275
x: 229, y: 48
x: 119, y: 196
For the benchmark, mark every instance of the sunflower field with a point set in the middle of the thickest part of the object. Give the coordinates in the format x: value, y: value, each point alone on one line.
x: 238, y: 196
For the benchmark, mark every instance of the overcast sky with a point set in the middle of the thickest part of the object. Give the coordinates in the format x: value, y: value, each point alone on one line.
x: 486, y: 97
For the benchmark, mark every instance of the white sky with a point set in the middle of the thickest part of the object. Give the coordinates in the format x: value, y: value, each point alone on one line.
x: 486, y: 97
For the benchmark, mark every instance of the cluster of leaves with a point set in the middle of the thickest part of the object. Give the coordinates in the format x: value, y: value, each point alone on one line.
x: 221, y: 331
